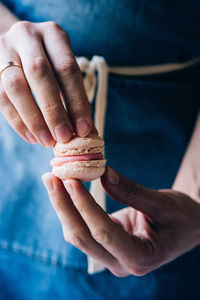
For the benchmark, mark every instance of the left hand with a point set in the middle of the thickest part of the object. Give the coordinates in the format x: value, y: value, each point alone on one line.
x: 157, y: 227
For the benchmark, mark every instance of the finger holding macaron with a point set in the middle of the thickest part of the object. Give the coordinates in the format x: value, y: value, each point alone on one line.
x: 80, y: 158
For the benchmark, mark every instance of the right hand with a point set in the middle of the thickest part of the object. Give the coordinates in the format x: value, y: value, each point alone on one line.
x: 154, y: 228
x: 50, y: 73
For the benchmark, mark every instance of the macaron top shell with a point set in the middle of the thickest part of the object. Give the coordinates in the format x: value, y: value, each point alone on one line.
x: 89, y: 144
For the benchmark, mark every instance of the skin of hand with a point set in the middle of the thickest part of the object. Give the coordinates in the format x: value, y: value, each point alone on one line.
x: 155, y: 228
x: 50, y: 73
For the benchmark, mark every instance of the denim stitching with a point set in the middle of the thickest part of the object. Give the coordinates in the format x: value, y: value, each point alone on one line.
x: 28, y: 252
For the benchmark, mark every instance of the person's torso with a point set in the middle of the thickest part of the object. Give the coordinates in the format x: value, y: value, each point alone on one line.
x: 129, y: 32
x: 152, y: 116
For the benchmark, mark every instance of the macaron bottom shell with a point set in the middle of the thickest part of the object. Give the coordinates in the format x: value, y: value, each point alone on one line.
x: 82, y: 170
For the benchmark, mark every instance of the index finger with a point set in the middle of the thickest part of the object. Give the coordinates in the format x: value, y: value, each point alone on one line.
x: 75, y: 230
x: 69, y: 77
x: 128, y: 249
x: 42, y: 83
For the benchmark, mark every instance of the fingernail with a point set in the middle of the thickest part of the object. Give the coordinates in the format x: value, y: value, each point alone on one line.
x: 48, y: 182
x: 113, y: 176
x: 63, y: 133
x: 46, y: 139
x: 82, y: 127
x: 69, y: 187
x: 30, y: 137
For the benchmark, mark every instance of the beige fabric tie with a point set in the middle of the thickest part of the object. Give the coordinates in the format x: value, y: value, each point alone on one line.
x: 98, y: 65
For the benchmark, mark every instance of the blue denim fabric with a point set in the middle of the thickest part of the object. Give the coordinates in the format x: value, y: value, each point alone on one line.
x: 128, y: 32
x: 22, y: 278
x: 152, y: 116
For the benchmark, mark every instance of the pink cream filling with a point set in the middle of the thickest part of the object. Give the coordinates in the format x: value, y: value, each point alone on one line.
x: 60, y: 160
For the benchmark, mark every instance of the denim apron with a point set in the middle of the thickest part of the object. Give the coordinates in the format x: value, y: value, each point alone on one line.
x: 152, y: 115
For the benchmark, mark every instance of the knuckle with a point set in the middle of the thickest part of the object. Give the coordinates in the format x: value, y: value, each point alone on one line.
x: 79, y: 106
x: 53, y: 25
x: 79, y: 240
x: 21, y: 26
x: 78, y: 103
x: 58, y: 202
x: 67, y: 67
x: 56, y: 29
x: 34, y: 122
x: 13, y: 80
x: 37, y: 65
x: 16, y: 122
x: 102, y: 236
x: 133, y: 191
x: 49, y: 108
x: 168, y: 207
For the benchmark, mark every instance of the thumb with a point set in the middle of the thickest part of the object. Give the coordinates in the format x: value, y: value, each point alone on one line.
x: 128, y: 192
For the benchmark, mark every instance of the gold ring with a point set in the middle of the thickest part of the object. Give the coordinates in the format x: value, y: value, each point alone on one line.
x: 10, y: 64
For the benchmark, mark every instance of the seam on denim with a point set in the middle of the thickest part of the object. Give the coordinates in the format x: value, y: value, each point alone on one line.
x: 46, y: 260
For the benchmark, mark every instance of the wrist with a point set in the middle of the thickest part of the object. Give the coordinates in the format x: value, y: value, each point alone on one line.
x: 188, y: 177
x: 189, y: 184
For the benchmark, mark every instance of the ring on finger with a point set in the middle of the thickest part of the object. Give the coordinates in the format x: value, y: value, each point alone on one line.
x: 8, y: 65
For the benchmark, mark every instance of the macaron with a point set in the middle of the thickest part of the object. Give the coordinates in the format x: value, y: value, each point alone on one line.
x: 80, y: 158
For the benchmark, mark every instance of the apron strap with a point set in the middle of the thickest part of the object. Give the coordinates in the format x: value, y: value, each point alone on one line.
x: 98, y: 65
